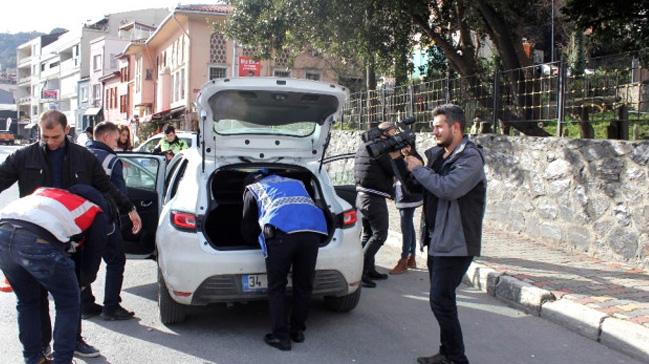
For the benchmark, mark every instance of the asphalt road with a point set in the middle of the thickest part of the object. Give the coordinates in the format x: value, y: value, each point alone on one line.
x: 392, y: 324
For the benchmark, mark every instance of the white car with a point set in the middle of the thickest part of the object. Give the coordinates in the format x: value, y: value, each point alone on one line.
x: 279, y: 124
x: 188, y: 136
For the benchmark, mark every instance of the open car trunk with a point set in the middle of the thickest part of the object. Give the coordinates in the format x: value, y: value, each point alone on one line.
x: 222, y: 223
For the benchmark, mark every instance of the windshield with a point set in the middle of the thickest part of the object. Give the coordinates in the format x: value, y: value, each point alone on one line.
x: 233, y: 126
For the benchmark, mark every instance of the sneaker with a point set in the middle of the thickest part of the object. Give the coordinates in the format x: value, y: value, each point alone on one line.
x: 90, y: 310
x: 84, y: 350
x: 117, y: 314
x: 435, y: 359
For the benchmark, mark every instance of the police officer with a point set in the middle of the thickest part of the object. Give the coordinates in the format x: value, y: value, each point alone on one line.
x: 279, y: 214
x: 170, y: 142
x: 34, y: 232
x: 105, y: 137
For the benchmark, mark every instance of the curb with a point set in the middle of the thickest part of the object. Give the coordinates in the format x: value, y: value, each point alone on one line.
x: 624, y: 336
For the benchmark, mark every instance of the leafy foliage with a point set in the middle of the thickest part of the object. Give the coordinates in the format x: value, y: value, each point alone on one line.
x: 616, y: 26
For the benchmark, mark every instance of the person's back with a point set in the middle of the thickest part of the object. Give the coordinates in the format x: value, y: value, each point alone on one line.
x: 34, y: 231
x: 280, y: 214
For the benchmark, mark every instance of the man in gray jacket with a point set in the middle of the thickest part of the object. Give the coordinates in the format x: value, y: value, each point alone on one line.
x: 454, y: 186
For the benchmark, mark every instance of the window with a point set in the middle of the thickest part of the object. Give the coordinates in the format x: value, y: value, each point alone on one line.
x: 138, y: 74
x: 282, y: 73
x: 96, y: 92
x: 96, y: 62
x: 54, y: 64
x: 217, y: 72
x: 83, y: 93
x: 42, y: 67
x: 123, y: 103
x: 141, y: 172
x: 174, y: 88
x: 313, y: 75
x: 181, y: 82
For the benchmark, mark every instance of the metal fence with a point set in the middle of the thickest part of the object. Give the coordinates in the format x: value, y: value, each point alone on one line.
x: 609, y: 98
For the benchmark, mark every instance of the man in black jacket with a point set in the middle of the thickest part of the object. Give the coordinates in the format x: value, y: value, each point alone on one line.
x: 55, y: 162
x: 374, y: 179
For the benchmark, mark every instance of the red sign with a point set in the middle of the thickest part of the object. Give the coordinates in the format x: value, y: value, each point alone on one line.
x: 50, y: 94
x: 249, y: 67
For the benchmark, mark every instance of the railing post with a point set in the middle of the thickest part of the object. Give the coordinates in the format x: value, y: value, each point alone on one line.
x: 561, y: 107
x: 496, y: 98
x: 411, y: 95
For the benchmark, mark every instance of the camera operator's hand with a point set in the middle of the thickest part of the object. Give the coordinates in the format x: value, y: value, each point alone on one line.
x: 412, y: 162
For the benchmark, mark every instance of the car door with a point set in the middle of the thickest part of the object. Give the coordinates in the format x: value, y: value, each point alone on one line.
x: 144, y: 175
x: 340, y: 169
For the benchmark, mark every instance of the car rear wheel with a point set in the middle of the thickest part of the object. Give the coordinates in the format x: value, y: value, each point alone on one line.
x: 344, y: 303
x: 171, y: 312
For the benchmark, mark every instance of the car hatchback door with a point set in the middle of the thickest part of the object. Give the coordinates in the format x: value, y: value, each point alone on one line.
x: 144, y: 175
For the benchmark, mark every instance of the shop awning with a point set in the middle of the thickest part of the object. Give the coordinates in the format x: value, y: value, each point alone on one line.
x: 92, y: 111
x: 166, y: 114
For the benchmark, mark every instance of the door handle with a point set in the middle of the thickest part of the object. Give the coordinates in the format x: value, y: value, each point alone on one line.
x: 145, y: 204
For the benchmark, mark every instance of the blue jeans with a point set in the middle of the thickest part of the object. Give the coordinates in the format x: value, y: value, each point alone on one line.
x: 445, y: 276
x: 113, y: 255
x: 31, y: 263
x: 409, y: 245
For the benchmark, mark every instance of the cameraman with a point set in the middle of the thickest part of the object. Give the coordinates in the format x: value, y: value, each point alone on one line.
x: 374, y: 182
x: 454, y: 186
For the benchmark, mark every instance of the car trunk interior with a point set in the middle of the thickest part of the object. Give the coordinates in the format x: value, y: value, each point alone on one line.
x: 222, y: 223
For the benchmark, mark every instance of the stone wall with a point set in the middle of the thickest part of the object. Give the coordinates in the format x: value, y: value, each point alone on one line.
x: 587, y: 195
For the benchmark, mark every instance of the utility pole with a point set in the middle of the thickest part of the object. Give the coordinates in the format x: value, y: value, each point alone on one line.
x: 552, y: 32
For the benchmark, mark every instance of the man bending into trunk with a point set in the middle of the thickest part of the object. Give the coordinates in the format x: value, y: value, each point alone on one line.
x: 279, y: 214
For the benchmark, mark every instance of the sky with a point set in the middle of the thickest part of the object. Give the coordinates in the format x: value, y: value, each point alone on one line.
x: 43, y: 16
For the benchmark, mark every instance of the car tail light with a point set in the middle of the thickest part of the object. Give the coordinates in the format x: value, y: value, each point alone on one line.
x: 347, y: 219
x: 183, y: 220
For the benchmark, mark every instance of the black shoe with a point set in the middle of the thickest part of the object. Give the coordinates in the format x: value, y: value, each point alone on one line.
x: 297, y: 336
x: 85, y: 350
x: 376, y: 275
x: 367, y: 282
x: 283, y: 345
x: 117, y: 314
x: 90, y: 310
x: 435, y: 359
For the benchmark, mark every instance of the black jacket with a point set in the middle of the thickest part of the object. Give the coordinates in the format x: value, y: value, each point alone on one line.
x: 373, y: 176
x: 29, y: 167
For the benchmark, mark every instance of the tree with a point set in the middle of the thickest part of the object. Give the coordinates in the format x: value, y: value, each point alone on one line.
x: 615, y: 26
x: 380, y: 33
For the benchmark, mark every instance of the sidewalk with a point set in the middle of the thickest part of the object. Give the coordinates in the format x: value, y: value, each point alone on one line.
x: 607, y: 302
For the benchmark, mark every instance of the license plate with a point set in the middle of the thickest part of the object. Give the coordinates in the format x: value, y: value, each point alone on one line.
x: 254, y: 282
x: 259, y: 282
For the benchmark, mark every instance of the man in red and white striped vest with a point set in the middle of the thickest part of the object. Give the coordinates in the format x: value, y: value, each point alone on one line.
x: 34, y: 236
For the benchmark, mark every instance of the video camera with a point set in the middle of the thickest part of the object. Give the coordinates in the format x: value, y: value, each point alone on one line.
x: 377, y: 147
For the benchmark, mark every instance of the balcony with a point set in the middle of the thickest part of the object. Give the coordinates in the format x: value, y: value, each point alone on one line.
x: 24, y: 62
x: 69, y: 66
x: 24, y: 80
x: 26, y: 100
